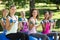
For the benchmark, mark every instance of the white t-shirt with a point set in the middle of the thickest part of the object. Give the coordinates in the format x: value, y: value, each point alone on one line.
x: 14, y: 26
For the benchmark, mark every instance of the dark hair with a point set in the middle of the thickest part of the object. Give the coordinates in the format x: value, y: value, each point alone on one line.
x: 32, y: 12
x: 50, y: 12
x: 12, y: 6
x: 45, y: 12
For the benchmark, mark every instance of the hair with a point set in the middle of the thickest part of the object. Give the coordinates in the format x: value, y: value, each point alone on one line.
x: 12, y: 6
x: 45, y: 12
x: 32, y: 12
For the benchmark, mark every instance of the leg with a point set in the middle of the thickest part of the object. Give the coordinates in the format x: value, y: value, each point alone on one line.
x: 15, y: 36
x: 26, y: 36
x: 38, y: 35
x: 55, y: 34
x: 59, y: 35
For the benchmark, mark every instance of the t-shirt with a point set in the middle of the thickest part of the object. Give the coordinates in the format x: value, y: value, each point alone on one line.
x: 14, y: 27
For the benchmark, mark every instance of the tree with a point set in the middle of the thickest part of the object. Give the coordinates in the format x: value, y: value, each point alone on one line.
x: 57, y: 2
x: 32, y: 4
x: 15, y: 2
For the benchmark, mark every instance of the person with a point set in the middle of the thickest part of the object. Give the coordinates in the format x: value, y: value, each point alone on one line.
x: 53, y: 24
x: 23, y: 23
x: 12, y: 26
x: 46, y: 26
x: 33, y: 25
x: 3, y: 20
x: 45, y: 23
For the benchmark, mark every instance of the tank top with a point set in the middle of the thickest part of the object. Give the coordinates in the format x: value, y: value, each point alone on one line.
x: 33, y: 30
x: 47, y: 27
x: 24, y: 23
x: 4, y: 30
x: 14, y: 27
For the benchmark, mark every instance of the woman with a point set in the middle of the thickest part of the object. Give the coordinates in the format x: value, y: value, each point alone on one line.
x: 23, y: 23
x: 33, y: 25
x: 53, y: 24
x: 3, y: 20
x: 12, y: 26
x: 46, y: 26
x: 45, y: 23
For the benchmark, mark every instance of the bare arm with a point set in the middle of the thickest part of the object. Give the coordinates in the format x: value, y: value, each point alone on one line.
x: 20, y: 25
x: 3, y: 25
x: 31, y: 25
x: 8, y: 26
x: 43, y: 26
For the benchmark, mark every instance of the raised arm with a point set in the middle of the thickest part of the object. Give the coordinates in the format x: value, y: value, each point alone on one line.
x: 2, y: 24
x: 8, y: 26
x: 31, y: 24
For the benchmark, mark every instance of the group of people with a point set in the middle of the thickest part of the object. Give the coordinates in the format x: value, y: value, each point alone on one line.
x: 21, y: 28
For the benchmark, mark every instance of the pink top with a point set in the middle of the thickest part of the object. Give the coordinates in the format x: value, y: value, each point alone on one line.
x: 47, y: 26
x: 33, y: 30
x: 24, y: 23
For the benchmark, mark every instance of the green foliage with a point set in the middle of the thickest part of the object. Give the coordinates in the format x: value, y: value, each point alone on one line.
x: 55, y: 1
x: 42, y: 1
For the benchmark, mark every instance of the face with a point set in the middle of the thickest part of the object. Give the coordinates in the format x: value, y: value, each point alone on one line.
x: 35, y: 13
x: 51, y: 15
x: 46, y: 15
x: 23, y: 13
x: 5, y: 13
x: 12, y: 10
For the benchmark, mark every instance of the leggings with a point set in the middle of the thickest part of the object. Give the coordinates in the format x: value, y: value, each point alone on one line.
x: 17, y: 36
x: 55, y: 34
x: 39, y: 35
x: 59, y: 35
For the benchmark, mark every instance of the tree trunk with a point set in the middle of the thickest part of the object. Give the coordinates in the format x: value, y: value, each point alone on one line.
x: 32, y: 4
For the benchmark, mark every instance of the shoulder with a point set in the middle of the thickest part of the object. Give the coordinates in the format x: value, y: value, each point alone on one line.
x: 42, y: 21
x: 16, y: 16
x: 1, y: 19
x: 51, y: 20
x: 31, y: 19
x: 26, y: 19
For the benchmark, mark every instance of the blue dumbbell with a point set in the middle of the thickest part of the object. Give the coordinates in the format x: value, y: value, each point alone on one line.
x: 20, y: 19
x: 11, y: 21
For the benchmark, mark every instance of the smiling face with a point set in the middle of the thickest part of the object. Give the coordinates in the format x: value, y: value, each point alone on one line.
x: 50, y: 15
x: 12, y: 10
x: 5, y: 12
x: 23, y: 13
x: 35, y: 13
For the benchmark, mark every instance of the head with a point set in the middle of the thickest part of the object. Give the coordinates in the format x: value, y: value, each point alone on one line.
x: 50, y: 14
x: 46, y: 15
x: 12, y: 9
x: 34, y: 13
x: 23, y: 13
x: 4, y: 12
